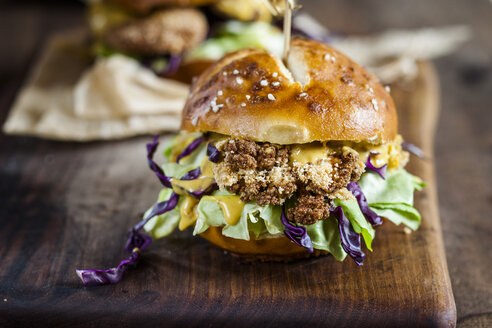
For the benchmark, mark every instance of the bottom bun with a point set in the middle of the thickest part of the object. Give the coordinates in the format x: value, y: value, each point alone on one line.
x: 267, y: 249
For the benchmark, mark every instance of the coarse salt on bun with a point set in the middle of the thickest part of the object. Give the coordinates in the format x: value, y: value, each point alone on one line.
x: 318, y: 95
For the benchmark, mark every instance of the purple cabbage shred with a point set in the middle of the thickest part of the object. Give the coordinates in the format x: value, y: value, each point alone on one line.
x: 350, y: 239
x: 190, y: 148
x: 158, y: 209
x: 297, y: 234
x: 195, y: 174
x: 213, y: 153
x: 379, y: 170
x: 92, y: 278
x: 136, y: 242
x: 151, y: 148
x: 172, y: 66
x: 411, y: 148
x: 192, y: 175
x: 369, y: 214
x: 135, y: 239
x: 200, y: 193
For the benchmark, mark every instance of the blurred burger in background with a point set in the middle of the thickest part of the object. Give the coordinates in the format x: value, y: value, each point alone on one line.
x: 180, y: 38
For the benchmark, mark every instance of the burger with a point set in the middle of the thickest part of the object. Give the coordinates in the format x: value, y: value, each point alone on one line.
x: 179, y: 38
x: 280, y: 160
x: 287, y: 159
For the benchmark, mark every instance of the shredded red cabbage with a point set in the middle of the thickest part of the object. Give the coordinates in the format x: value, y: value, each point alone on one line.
x: 200, y: 193
x: 195, y: 174
x: 192, y: 175
x: 297, y: 234
x: 213, y: 153
x: 190, y: 148
x: 411, y: 148
x: 92, y: 278
x: 172, y: 66
x: 158, y: 209
x: 350, y: 239
x: 379, y: 170
x: 151, y: 148
x: 136, y: 242
x: 369, y: 214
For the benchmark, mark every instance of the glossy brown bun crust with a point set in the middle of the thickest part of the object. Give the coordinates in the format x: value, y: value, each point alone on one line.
x: 268, y: 249
x: 319, y: 95
x: 189, y: 69
x: 145, y: 6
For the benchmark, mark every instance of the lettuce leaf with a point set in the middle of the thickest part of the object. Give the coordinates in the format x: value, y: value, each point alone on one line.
x: 209, y: 214
x: 168, y: 147
x: 234, y: 35
x: 188, y: 163
x: 398, y: 187
x: 271, y: 219
x: 177, y: 170
x: 256, y: 219
x: 399, y: 213
x: 393, y: 198
x: 195, y: 159
x: 325, y: 236
x: 163, y: 225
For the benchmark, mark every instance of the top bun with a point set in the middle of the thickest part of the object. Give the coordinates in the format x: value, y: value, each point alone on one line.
x: 318, y: 95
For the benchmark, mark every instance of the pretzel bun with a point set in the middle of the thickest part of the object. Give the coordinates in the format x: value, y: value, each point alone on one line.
x: 165, y: 31
x: 319, y: 94
x: 267, y: 249
x: 189, y: 69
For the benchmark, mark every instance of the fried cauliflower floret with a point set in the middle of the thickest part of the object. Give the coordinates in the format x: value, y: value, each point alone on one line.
x: 263, y: 172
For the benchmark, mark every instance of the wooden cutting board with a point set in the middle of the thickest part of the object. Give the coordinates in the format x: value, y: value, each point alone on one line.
x: 65, y: 206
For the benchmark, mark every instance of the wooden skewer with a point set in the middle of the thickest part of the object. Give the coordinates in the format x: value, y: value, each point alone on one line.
x: 277, y: 10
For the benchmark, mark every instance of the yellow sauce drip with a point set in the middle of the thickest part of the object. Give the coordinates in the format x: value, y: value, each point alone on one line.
x: 188, y: 213
x: 388, y: 153
x: 207, y: 168
x: 231, y: 206
x: 308, y: 153
x: 182, y: 187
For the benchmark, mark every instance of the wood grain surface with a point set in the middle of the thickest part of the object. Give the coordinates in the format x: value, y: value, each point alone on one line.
x: 56, y: 197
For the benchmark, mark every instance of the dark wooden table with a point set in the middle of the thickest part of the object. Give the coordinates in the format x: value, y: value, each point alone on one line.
x: 463, y: 143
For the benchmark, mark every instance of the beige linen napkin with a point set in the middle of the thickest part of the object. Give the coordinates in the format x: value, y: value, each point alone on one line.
x: 66, y: 99
x: 119, y: 87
